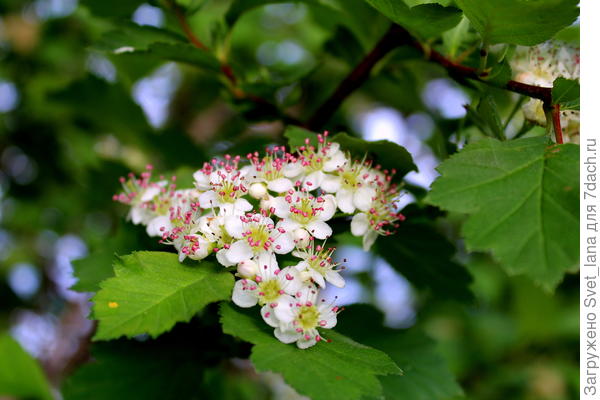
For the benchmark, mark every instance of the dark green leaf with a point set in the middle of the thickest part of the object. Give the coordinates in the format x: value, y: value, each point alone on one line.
x: 522, y: 196
x: 151, y: 291
x: 519, y: 21
x: 92, y: 270
x: 112, y: 8
x: 20, y: 375
x: 426, y: 375
x: 424, y: 20
x: 383, y: 152
x: 566, y: 93
x: 424, y: 257
x: 341, y: 369
x: 297, y: 136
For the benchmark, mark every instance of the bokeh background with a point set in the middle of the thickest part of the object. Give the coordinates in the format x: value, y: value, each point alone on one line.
x: 74, y: 119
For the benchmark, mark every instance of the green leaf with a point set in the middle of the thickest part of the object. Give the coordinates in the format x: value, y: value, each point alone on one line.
x: 566, y: 93
x: 523, y: 22
x: 297, y: 136
x: 20, y: 374
x: 341, y: 369
x: 521, y: 197
x: 157, y: 43
x: 92, y: 270
x: 424, y: 257
x: 426, y: 374
x: 425, y: 20
x: 383, y: 152
x: 151, y: 291
x: 239, y: 7
x: 487, y: 117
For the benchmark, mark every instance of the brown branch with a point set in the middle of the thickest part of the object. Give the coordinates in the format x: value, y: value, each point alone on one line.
x: 182, y: 20
x: 395, y: 37
x: 556, y: 123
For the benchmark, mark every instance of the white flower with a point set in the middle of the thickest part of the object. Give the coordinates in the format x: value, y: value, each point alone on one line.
x: 318, y: 265
x: 254, y: 234
x: 222, y: 187
x: 271, y: 288
x: 158, y: 225
x: 300, y: 209
x: 269, y: 170
x: 312, y: 163
x: 381, y: 218
x: 308, y: 314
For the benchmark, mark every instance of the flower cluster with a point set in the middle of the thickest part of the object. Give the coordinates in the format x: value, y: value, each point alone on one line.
x: 541, y: 65
x: 250, y: 211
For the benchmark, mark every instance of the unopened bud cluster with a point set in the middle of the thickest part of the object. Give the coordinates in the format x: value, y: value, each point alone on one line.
x: 248, y: 211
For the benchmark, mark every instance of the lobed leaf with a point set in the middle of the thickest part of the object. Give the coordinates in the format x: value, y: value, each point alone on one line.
x: 521, y: 197
x: 151, y: 291
x: 566, y: 93
x: 327, y: 371
x: 519, y: 21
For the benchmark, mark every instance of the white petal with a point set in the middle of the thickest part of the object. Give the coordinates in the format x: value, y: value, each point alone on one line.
x: 318, y: 279
x: 286, y: 336
x: 290, y: 280
x: 292, y: 170
x: 242, y: 205
x: 363, y: 198
x: 319, y: 229
x: 336, y: 161
x: 329, y: 207
x: 155, y: 225
x: 270, y: 261
x: 242, y: 295
x: 284, y: 312
x: 331, y: 183
x: 345, y: 201
x: 234, y: 226
x: 302, y: 265
x: 202, y: 181
x: 222, y: 258
x: 302, y: 343
x: 369, y: 239
x: 328, y: 316
x: 313, y: 180
x: 208, y: 199
x: 282, y: 207
x: 239, y: 251
x: 283, y: 244
x: 269, y: 316
x: 360, y: 224
x: 280, y: 185
x: 150, y: 193
x: 335, y: 279
x: 137, y: 215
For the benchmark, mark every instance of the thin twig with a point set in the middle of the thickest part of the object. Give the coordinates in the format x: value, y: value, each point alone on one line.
x: 556, y: 123
x: 187, y: 30
x: 398, y: 36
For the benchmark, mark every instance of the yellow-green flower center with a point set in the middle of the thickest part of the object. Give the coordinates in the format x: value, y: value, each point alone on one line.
x: 308, y: 317
x: 259, y: 235
x: 227, y: 192
x: 268, y: 291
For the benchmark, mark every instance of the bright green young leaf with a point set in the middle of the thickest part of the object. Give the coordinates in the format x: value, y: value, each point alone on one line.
x: 425, y: 20
x: 426, y: 374
x: 151, y: 291
x: 521, y: 197
x: 341, y: 369
x: 92, y: 270
x: 382, y: 152
x: 521, y: 22
x: 424, y: 257
x: 566, y: 93
x: 20, y: 375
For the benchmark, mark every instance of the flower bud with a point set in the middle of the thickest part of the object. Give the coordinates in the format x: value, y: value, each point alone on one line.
x: 301, y: 238
x: 247, y: 269
x: 258, y: 191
